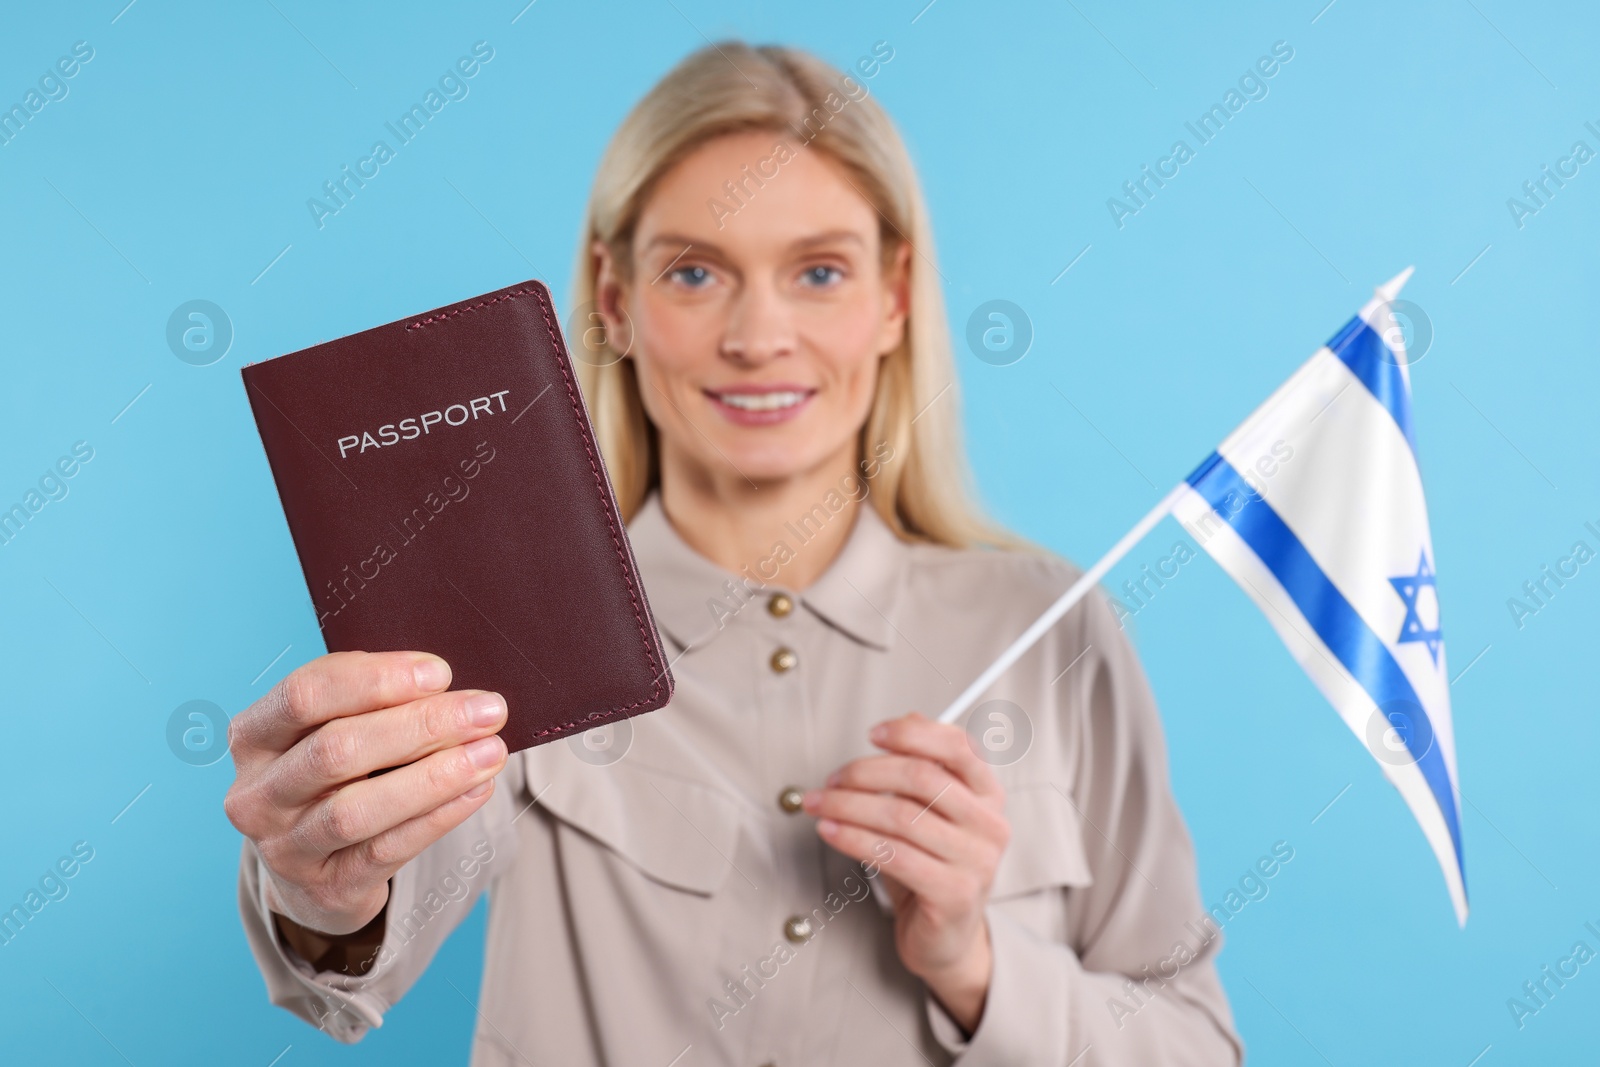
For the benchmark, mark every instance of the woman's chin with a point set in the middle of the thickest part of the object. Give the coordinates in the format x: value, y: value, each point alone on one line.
x: 769, y: 462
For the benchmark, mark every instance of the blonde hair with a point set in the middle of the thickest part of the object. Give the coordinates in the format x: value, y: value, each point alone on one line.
x: 923, y: 493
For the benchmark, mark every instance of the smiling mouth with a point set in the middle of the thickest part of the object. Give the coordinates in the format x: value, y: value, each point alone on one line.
x: 776, y: 400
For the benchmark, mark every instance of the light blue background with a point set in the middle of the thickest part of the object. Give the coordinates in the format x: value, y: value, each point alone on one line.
x: 181, y: 162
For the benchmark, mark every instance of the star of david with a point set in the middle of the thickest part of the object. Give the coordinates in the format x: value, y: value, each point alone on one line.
x: 1415, y: 628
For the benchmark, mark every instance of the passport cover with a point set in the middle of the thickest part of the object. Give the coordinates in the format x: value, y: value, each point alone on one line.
x: 445, y: 493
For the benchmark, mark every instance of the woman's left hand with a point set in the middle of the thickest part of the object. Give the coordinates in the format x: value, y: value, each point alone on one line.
x: 942, y: 810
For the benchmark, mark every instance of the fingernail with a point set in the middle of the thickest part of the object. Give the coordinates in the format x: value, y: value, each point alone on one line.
x: 485, y: 709
x: 431, y: 674
x: 485, y: 752
x: 879, y: 733
x: 827, y: 827
x: 478, y: 790
x: 810, y: 799
x: 833, y: 780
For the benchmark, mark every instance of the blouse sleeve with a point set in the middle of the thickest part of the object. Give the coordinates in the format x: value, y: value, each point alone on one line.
x: 1137, y: 984
x: 428, y: 898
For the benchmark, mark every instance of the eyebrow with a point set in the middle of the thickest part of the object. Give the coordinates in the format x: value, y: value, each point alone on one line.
x: 673, y: 240
x: 829, y: 238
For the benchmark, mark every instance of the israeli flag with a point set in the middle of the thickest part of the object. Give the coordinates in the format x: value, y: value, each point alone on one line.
x: 1314, y: 505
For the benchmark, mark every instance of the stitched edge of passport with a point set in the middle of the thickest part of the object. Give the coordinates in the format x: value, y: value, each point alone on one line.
x: 474, y: 307
x: 599, y: 485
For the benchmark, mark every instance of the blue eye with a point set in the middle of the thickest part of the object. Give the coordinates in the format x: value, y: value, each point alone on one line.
x: 693, y: 277
x: 820, y: 276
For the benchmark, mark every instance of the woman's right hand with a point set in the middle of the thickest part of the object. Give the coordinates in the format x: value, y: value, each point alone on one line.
x: 329, y: 835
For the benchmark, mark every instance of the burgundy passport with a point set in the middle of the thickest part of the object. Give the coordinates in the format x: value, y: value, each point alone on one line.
x: 445, y: 493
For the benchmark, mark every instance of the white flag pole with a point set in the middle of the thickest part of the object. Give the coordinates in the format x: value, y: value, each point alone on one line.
x: 1053, y: 613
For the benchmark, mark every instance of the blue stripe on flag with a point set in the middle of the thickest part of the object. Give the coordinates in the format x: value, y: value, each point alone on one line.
x: 1333, y: 618
x: 1369, y: 359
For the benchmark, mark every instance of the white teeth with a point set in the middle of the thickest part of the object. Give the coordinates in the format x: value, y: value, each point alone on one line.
x: 761, y: 401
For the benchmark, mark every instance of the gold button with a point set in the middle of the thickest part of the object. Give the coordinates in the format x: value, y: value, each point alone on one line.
x: 797, y: 929
x: 784, y: 660
x: 789, y: 799
x: 780, y: 605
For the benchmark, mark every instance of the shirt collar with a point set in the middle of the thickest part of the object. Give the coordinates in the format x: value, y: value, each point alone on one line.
x: 693, y: 599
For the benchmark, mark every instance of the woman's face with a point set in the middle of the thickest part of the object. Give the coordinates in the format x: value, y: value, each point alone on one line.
x: 756, y: 330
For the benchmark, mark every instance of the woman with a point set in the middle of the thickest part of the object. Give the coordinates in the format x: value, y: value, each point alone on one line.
x: 763, y: 872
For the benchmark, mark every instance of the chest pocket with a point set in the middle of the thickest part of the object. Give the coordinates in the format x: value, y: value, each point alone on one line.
x: 674, y: 829
x: 1046, y: 847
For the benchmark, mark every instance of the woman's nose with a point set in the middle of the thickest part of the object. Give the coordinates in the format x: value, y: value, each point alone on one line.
x: 760, y: 327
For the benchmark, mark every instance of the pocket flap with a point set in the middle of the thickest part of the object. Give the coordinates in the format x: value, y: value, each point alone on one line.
x: 677, y: 831
x: 1046, y: 847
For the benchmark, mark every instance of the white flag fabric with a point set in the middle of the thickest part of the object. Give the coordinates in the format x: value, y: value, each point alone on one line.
x: 1314, y: 505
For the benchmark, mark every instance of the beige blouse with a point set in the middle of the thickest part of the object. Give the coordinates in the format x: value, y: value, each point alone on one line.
x: 654, y: 900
